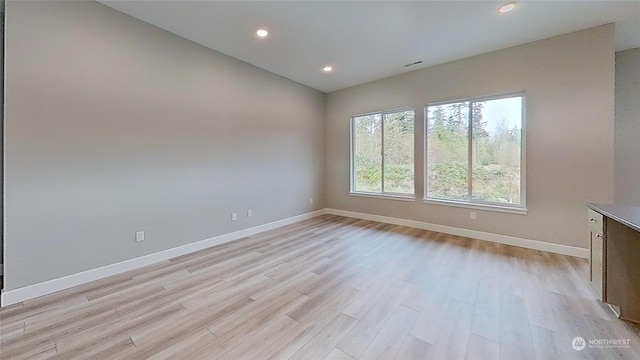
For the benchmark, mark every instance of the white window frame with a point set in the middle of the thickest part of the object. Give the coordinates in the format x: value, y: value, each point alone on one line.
x: 478, y: 204
x: 382, y: 193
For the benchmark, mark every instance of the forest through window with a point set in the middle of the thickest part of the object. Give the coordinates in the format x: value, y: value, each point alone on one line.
x: 474, y: 151
x: 382, y: 153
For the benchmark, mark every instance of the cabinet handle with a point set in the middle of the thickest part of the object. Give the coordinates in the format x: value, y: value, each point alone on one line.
x: 599, y: 235
x: 592, y: 219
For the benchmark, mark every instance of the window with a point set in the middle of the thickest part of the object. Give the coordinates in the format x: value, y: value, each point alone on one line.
x: 382, y: 153
x: 474, y: 152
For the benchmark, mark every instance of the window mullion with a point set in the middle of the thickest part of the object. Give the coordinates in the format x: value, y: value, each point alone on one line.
x: 353, y: 152
x: 470, y: 153
x: 382, y: 152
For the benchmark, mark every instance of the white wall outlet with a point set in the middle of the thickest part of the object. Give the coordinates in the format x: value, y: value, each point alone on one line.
x: 234, y: 216
x: 472, y: 215
x: 139, y: 236
x: 249, y: 213
x: 311, y: 201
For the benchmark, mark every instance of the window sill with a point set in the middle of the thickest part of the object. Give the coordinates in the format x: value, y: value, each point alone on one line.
x: 477, y: 206
x: 384, y: 196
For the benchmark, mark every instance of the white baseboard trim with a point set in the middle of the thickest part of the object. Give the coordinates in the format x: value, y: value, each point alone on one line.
x: 33, y: 291
x: 497, y: 238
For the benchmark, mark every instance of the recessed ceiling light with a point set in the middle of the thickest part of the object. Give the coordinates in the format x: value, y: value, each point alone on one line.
x: 262, y: 33
x: 507, y: 7
x: 327, y: 68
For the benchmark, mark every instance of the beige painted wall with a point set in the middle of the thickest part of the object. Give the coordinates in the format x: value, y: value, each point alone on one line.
x: 627, y: 128
x: 115, y: 126
x: 569, y: 84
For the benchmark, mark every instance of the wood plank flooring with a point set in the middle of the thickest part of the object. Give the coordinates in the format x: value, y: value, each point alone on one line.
x: 328, y: 288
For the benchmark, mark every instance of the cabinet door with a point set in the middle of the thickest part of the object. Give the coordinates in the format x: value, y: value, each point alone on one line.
x: 597, y: 263
x: 596, y: 259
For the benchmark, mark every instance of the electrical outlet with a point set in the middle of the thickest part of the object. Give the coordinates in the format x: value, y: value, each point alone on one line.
x: 234, y: 216
x: 139, y: 236
x: 311, y: 201
x: 472, y: 215
x: 249, y: 213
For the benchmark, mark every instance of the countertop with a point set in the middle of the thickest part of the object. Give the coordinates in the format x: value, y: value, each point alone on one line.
x: 627, y: 215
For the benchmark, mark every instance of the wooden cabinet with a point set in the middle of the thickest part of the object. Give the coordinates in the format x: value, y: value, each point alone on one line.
x: 597, y: 256
x: 614, y: 236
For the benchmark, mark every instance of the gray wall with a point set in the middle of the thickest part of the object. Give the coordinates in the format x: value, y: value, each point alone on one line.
x: 569, y: 84
x: 115, y: 126
x: 627, y: 128
x: 1, y: 139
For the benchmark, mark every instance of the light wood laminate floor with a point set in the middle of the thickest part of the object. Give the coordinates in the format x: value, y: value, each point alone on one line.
x: 328, y: 288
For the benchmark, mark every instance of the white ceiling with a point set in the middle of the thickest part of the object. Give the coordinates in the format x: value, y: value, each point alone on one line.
x: 369, y: 40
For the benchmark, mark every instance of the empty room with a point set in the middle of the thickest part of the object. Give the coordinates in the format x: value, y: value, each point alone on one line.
x: 320, y: 180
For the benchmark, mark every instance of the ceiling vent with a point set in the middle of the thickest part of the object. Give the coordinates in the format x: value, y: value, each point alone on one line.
x: 414, y: 63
